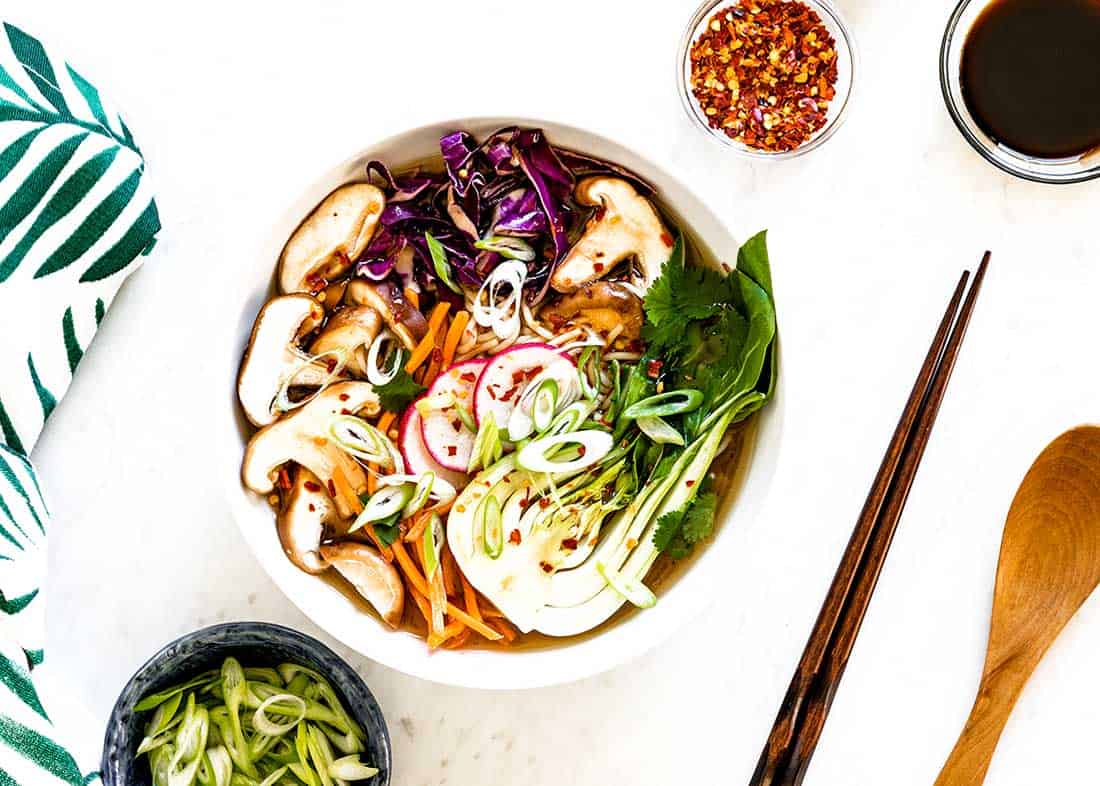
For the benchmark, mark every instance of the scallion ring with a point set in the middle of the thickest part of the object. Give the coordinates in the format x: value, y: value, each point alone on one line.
x: 544, y: 403
x: 339, y: 357
x: 438, y: 489
x: 588, y: 372
x: 420, y: 494
x: 569, y: 419
x: 384, y: 503
x: 349, y: 768
x: 359, y: 438
x: 659, y: 431
x: 377, y: 373
x: 492, y: 526
x: 466, y: 418
x: 440, y: 264
x: 673, y: 402
x: 433, y: 545
x: 592, y: 445
x: 507, y: 247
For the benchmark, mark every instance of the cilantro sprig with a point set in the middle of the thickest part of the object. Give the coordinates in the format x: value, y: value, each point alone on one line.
x: 399, y: 392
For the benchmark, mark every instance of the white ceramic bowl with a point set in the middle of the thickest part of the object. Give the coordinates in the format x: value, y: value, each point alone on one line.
x: 572, y: 659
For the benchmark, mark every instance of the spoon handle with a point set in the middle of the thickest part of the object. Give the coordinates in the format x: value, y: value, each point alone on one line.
x: 970, y: 759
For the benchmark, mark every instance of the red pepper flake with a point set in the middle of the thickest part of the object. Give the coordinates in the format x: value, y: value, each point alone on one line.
x: 666, y: 238
x: 437, y: 355
x: 689, y: 483
x: 517, y: 377
x: 315, y: 283
x: 331, y: 488
x: 546, y: 567
x: 344, y: 396
x: 469, y: 376
x: 508, y: 394
x: 345, y: 411
x: 653, y: 368
x: 580, y: 450
x: 451, y: 450
x: 492, y: 392
x: 311, y: 486
x: 284, y: 479
x: 544, y: 502
x: 330, y: 364
x: 312, y: 508
x: 533, y: 372
x: 456, y: 424
x: 515, y: 538
x: 570, y: 544
x: 764, y: 72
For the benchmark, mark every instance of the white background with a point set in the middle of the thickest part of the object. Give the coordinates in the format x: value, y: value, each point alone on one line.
x: 232, y: 103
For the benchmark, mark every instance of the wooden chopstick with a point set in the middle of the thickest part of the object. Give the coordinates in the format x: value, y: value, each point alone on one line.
x: 805, y: 707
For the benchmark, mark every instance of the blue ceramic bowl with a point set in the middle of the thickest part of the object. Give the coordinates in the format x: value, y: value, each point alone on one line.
x: 253, y: 644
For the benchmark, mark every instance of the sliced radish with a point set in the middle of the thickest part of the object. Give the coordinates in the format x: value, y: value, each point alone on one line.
x: 447, y: 438
x: 508, y: 374
x: 418, y: 459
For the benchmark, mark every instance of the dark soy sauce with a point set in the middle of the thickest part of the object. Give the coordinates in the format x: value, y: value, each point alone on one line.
x: 1031, y: 75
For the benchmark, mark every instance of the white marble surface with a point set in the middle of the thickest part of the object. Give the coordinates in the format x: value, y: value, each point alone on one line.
x: 232, y: 102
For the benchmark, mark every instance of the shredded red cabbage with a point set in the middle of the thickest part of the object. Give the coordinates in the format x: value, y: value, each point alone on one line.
x: 514, y: 184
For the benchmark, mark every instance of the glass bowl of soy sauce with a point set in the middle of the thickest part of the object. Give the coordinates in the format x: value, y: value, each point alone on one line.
x: 1021, y: 79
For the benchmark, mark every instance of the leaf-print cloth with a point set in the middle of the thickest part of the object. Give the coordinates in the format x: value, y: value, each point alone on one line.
x: 76, y: 218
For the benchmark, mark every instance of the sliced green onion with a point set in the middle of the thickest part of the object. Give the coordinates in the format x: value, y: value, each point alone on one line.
x: 674, y: 402
x: 593, y: 446
x: 569, y: 419
x: 433, y: 545
x: 221, y: 766
x: 282, y: 401
x: 349, y: 768
x: 492, y: 526
x: 466, y: 418
x: 420, y: 494
x: 271, y: 779
x: 487, y: 445
x: 438, y: 489
x: 659, y: 431
x: 588, y: 369
x: 359, y: 438
x: 507, y: 247
x: 234, y: 689
x: 382, y: 504
x: 544, y: 403
x: 439, y: 262
x: 616, y: 391
x: 501, y: 312
x: 377, y: 375
x: 430, y: 404
x: 632, y: 590
x: 264, y: 725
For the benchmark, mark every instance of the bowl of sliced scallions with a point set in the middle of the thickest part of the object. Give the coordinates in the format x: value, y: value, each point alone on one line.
x: 246, y: 704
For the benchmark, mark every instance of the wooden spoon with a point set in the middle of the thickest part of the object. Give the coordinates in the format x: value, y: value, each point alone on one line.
x: 1049, y: 565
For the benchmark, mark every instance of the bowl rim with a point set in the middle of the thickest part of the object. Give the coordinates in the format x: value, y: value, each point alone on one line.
x: 549, y: 665
x: 956, y: 111
x: 123, y: 706
x: 835, y: 118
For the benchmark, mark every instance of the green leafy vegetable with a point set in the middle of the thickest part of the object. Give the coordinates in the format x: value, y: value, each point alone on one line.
x: 681, y: 295
x: 399, y: 392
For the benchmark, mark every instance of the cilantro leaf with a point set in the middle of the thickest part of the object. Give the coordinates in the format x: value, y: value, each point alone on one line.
x: 668, y: 527
x: 396, y: 394
x: 679, y: 296
x: 699, y: 520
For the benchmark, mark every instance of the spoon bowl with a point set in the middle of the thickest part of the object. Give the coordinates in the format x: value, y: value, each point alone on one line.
x: 1049, y: 565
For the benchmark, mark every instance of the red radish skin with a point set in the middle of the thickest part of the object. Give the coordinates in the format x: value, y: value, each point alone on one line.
x: 451, y: 447
x: 504, y: 378
x: 417, y: 458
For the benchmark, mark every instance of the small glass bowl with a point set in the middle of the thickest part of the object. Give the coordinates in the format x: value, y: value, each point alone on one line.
x: 1074, y: 169
x: 846, y: 68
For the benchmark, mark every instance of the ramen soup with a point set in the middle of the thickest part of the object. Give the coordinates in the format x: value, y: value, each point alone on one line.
x: 500, y: 398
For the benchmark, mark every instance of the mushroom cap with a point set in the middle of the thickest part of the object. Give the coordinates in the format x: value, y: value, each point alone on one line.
x: 330, y: 238
x: 272, y: 354
x: 403, y: 319
x: 352, y: 329
x: 627, y: 226
x: 373, y: 577
x: 303, y: 437
x: 306, y: 510
x: 600, y: 305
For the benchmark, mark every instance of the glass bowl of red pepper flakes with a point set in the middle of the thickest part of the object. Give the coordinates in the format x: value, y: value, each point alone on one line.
x: 767, y: 78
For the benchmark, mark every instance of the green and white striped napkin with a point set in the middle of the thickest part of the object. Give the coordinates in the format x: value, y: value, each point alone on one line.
x: 76, y: 218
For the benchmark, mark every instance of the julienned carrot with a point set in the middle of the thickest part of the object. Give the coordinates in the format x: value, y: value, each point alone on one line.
x: 459, y: 641
x: 421, y: 586
x: 504, y: 629
x: 454, y: 336
x: 413, y: 297
x: 385, y: 421
x: 344, y: 490
x: 422, y: 605
x: 437, y: 595
x: 427, y: 344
